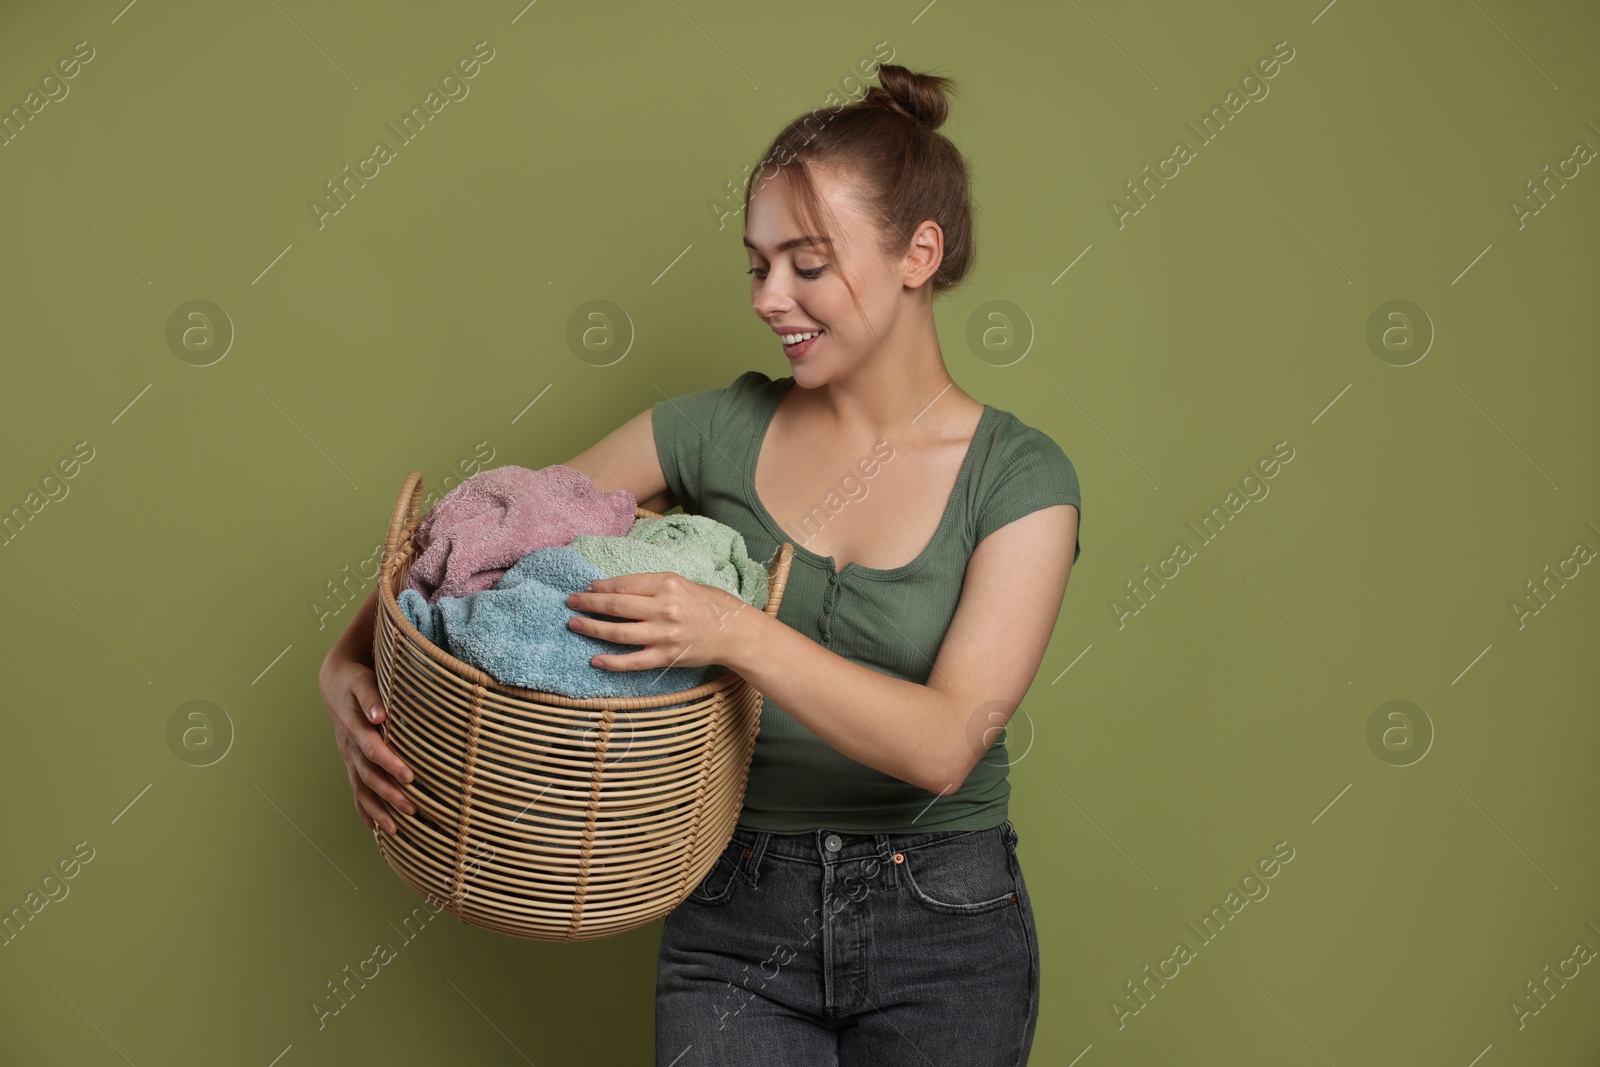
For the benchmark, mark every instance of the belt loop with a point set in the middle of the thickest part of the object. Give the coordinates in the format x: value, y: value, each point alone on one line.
x: 751, y: 864
x: 887, y: 873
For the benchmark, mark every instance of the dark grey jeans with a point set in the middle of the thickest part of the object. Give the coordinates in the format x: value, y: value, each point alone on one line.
x: 829, y: 948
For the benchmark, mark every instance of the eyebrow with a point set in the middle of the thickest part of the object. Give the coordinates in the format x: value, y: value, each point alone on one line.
x: 793, y: 242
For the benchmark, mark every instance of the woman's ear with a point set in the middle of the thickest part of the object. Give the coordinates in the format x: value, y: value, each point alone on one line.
x: 925, y: 254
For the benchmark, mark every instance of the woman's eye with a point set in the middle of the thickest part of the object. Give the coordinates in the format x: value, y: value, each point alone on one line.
x: 810, y: 275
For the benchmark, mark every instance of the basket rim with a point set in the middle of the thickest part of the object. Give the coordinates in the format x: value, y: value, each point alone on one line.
x: 403, y: 525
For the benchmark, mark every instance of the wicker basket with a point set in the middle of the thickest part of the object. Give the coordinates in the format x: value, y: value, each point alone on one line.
x: 545, y: 816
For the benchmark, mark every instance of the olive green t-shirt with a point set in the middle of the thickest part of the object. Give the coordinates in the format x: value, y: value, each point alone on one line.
x: 892, y: 621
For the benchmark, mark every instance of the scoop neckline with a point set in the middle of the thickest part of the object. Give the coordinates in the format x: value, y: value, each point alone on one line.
x: 830, y: 563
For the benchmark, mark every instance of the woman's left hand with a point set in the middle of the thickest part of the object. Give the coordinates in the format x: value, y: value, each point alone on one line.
x: 680, y: 623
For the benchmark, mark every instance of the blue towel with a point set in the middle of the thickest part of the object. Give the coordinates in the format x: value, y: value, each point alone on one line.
x: 518, y: 632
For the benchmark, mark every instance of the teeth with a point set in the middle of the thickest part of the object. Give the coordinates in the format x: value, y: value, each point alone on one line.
x: 796, y: 338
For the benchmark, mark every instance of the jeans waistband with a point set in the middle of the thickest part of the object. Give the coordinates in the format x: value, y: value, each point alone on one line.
x: 813, y: 846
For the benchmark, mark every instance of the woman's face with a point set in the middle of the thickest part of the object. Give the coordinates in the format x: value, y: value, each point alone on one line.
x: 797, y: 283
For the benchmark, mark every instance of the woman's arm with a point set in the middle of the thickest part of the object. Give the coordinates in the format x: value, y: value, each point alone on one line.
x: 626, y: 459
x: 350, y: 690
x: 929, y: 735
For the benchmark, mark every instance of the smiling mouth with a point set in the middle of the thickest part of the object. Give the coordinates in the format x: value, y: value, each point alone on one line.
x: 800, y: 348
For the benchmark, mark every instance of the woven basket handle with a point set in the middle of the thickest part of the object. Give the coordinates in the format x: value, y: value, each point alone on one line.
x: 406, y: 511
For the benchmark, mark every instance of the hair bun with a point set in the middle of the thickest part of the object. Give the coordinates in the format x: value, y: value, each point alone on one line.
x: 917, y: 96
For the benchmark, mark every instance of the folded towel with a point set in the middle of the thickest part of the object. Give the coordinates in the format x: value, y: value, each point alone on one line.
x: 479, y: 529
x: 701, y: 549
x: 518, y: 632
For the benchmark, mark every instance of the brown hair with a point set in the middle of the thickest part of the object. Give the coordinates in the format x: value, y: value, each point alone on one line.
x: 901, y: 168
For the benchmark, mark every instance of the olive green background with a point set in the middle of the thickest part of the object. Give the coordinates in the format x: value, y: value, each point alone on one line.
x: 597, y: 157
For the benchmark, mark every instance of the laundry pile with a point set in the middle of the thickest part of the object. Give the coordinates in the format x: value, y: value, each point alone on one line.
x: 500, y: 554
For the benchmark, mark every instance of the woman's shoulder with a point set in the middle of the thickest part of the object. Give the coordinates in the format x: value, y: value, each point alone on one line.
x: 739, y: 398
x: 740, y: 404
x: 750, y: 385
x: 755, y: 384
x: 1016, y: 442
x: 1023, y: 469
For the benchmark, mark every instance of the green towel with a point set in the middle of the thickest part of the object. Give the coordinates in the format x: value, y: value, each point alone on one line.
x: 701, y: 549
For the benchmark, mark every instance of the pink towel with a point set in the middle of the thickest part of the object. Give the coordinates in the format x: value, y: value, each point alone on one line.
x: 478, y: 530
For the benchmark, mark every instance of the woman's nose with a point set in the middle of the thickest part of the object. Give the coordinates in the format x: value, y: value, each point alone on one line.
x: 771, y: 301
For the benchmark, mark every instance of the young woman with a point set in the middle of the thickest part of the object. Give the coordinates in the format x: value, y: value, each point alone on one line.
x: 870, y: 907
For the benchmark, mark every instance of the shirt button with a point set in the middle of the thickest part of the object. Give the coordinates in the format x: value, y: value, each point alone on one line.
x: 833, y: 579
x: 832, y: 843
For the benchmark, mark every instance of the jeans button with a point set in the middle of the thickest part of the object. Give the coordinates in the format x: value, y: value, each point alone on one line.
x: 832, y: 843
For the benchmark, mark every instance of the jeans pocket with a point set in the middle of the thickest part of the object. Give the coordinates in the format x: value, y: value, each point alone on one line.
x: 722, y: 881
x: 967, y: 875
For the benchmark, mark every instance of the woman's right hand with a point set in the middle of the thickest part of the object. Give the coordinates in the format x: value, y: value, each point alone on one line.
x: 350, y: 690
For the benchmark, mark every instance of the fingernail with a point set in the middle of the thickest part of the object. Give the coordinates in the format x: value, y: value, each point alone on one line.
x: 372, y: 713
x: 405, y: 774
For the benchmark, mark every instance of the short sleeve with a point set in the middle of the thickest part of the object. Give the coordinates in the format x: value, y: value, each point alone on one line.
x: 1036, y: 474
x: 682, y: 426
